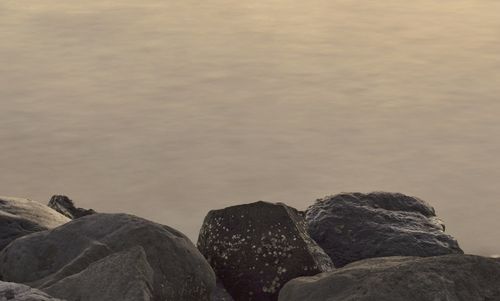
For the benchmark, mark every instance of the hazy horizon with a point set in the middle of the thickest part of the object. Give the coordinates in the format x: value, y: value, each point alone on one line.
x: 168, y: 109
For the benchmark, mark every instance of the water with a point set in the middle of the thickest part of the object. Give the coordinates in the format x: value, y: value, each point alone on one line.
x: 167, y: 109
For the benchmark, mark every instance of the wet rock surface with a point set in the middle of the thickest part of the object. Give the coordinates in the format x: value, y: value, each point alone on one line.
x: 20, y: 217
x: 256, y: 248
x: 66, y: 207
x: 449, y: 277
x: 356, y: 226
x: 20, y: 292
x: 110, y: 257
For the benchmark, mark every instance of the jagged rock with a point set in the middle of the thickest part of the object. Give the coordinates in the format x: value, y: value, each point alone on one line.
x: 65, y: 206
x: 19, y: 217
x: 20, y: 292
x: 355, y: 226
x: 448, y: 277
x: 109, y: 257
x: 256, y: 248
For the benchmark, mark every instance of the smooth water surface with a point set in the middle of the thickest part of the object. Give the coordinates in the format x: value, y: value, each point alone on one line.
x: 167, y: 109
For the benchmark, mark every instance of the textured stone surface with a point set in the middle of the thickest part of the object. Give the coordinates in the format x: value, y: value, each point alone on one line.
x: 65, y: 206
x: 19, y: 217
x: 220, y: 293
x: 20, y: 292
x: 120, y: 256
x: 256, y: 248
x: 440, y: 278
x: 131, y: 273
x: 355, y: 226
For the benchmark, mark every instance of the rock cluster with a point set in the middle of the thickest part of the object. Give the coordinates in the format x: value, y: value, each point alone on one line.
x: 110, y: 257
x: 355, y: 226
x: 386, y: 246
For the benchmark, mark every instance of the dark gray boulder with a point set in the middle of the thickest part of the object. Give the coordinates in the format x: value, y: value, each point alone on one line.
x: 256, y: 248
x: 110, y: 257
x: 65, y: 206
x: 131, y: 273
x: 440, y: 278
x: 20, y: 292
x: 355, y: 226
x: 19, y: 217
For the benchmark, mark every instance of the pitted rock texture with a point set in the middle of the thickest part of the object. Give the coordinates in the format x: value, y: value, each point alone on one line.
x: 65, y: 206
x: 439, y: 278
x: 356, y: 226
x: 113, y: 256
x: 20, y: 292
x: 256, y: 248
x: 19, y: 217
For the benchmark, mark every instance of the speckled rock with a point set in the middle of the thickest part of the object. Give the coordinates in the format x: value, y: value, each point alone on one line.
x: 355, y: 226
x: 113, y: 256
x: 20, y: 292
x: 439, y: 278
x: 65, y: 206
x: 19, y: 217
x: 256, y: 248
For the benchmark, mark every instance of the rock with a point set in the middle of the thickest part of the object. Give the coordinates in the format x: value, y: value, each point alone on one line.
x: 130, y: 269
x: 110, y: 257
x: 65, y: 206
x: 20, y: 292
x: 220, y: 293
x: 19, y: 217
x: 256, y: 248
x: 355, y: 226
x: 448, y: 277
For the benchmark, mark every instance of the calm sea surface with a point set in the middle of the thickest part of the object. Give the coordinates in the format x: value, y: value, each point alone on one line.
x: 167, y: 109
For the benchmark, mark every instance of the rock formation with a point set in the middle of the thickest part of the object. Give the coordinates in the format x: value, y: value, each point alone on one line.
x: 109, y: 257
x: 256, y: 248
x: 20, y: 292
x: 388, y: 246
x: 19, y: 217
x: 355, y: 226
x: 65, y: 206
x: 449, y: 277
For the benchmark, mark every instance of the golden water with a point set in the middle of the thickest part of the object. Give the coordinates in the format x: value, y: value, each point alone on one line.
x: 167, y: 109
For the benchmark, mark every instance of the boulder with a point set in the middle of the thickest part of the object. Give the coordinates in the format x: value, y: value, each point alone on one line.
x: 110, y: 257
x: 129, y: 269
x: 65, y: 206
x: 447, y: 277
x: 19, y: 217
x: 20, y: 292
x: 256, y: 248
x: 355, y: 226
